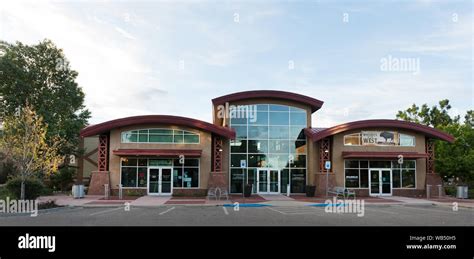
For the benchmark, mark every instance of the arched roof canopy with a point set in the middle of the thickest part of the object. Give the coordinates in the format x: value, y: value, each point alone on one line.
x: 105, y: 127
x: 316, y: 134
x: 315, y: 104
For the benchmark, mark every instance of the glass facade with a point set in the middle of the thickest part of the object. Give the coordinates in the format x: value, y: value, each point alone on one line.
x: 274, y: 139
x: 134, y: 171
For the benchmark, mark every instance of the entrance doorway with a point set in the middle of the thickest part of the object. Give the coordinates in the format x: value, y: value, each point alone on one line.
x: 268, y: 181
x: 160, y: 181
x: 380, y: 182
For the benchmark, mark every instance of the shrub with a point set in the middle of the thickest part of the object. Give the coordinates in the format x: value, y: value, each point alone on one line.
x: 450, y: 190
x: 6, y: 169
x: 33, y: 188
x: 63, y: 179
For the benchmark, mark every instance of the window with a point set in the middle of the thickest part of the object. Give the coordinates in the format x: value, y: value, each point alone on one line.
x: 134, y: 172
x: 357, y: 171
x: 407, y: 140
x: 379, y: 138
x: 352, y: 139
x: 160, y: 136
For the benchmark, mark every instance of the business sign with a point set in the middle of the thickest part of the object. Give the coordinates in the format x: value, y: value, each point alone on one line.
x: 382, y: 138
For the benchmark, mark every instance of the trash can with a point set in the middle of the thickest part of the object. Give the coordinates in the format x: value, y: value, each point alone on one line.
x: 78, y: 191
x: 461, y: 191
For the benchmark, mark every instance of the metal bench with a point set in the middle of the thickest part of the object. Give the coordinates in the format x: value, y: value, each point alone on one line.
x: 212, y: 193
x: 343, y: 192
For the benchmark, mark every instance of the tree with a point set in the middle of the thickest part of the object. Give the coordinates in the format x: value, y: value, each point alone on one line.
x: 451, y: 159
x: 23, y: 143
x: 40, y: 75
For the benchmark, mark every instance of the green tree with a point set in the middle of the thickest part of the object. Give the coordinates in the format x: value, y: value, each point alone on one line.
x: 451, y: 159
x: 40, y: 75
x: 23, y: 143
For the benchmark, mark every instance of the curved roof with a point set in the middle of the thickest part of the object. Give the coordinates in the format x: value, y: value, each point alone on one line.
x: 157, y: 119
x: 316, y: 135
x: 315, y: 104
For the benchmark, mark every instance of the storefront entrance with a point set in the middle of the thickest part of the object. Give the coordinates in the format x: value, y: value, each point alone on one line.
x: 268, y: 181
x: 380, y: 182
x: 160, y: 181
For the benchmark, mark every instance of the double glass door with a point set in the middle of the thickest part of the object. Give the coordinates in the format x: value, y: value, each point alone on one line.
x: 268, y: 181
x: 380, y: 182
x: 160, y: 181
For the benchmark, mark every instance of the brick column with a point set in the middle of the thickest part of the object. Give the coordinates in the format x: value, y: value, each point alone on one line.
x: 432, y: 178
x: 217, y: 178
x: 102, y: 176
x: 324, y: 145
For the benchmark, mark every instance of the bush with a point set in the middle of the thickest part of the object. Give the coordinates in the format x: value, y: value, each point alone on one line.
x: 6, y: 169
x: 33, y: 188
x: 450, y: 190
x: 63, y: 179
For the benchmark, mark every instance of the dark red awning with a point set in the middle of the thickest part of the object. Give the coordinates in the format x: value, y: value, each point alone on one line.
x: 159, y: 152
x: 361, y: 154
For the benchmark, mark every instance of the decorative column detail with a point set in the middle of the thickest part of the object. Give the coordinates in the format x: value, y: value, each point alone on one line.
x: 102, y: 153
x: 324, y: 145
x: 430, y: 146
x: 217, y: 149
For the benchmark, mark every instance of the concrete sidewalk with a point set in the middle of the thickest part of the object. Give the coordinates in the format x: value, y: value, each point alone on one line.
x: 156, y: 201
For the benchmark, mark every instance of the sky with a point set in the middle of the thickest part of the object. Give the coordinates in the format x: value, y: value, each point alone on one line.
x: 364, y: 59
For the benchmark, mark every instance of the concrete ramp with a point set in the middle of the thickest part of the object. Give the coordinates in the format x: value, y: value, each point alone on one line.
x: 150, y: 201
x: 275, y: 197
x: 408, y: 200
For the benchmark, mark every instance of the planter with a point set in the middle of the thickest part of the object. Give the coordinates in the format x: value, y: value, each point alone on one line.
x: 310, y: 190
x: 247, y: 190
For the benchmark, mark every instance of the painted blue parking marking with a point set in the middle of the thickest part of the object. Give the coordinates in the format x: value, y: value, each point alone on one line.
x: 253, y: 205
x: 326, y: 205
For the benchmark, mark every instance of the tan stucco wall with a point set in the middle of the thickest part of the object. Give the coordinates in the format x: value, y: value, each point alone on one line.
x: 204, y: 145
x: 338, y: 147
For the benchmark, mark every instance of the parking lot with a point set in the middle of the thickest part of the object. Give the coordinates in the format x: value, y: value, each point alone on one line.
x: 179, y: 215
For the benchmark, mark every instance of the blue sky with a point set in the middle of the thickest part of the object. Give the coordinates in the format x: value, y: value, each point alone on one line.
x: 164, y: 57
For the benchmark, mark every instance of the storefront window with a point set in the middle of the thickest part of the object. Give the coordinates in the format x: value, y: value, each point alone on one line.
x: 134, y: 172
x: 357, y: 171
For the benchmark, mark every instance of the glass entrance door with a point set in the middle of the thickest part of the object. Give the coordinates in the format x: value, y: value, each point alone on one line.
x: 160, y: 181
x: 268, y: 181
x: 380, y: 182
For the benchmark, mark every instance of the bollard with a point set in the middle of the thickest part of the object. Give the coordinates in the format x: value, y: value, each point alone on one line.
x: 440, y: 189
x: 120, y: 191
x: 106, y: 191
x: 428, y: 191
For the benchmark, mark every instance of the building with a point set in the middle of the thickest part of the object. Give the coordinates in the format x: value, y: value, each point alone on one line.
x: 263, y: 138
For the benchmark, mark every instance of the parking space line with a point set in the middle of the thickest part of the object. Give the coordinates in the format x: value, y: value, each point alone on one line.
x: 105, y: 211
x: 430, y: 210
x: 295, y: 210
x: 275, y: 210
x: 166, y: 211
x: 225, y: 211
x: 383, y: 211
